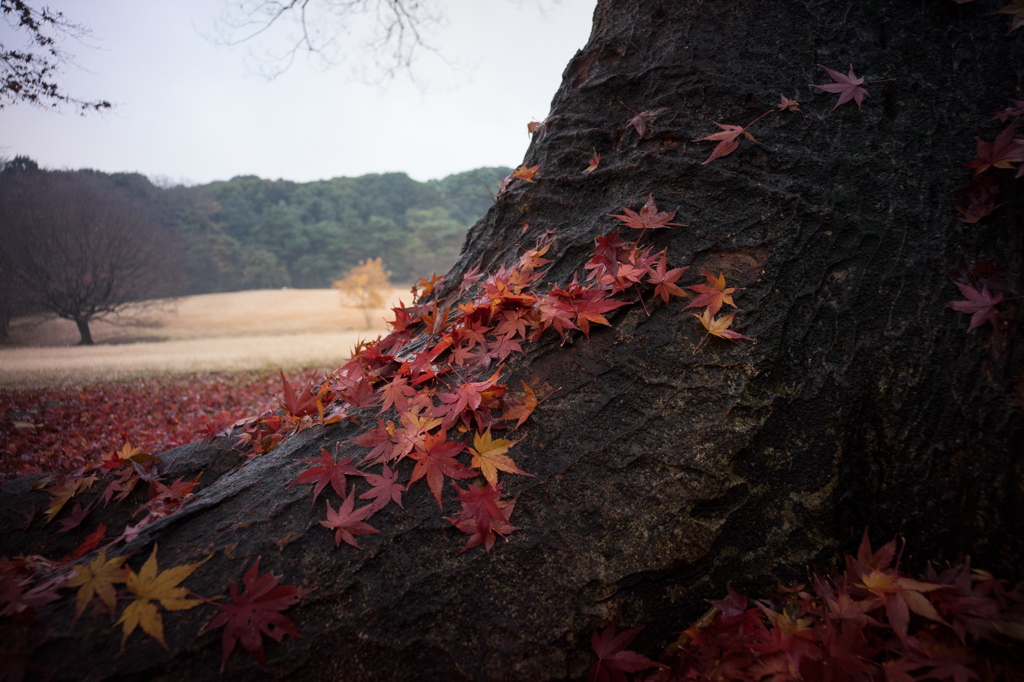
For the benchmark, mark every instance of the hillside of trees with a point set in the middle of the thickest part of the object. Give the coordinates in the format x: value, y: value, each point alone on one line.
x: 251, y: 233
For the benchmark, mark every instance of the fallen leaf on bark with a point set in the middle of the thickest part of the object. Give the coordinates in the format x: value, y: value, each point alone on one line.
x: 847, y: 87
x: 489, y: 457
x: 1002, y: 153
x: 713, y: 294
x: 979, y: 199
x: 1016, y: 10
x: 348, y: 522
x: 718, y: 327
x: 526, y: 173
x: 329, y: 471
x: 613, y: 659
x: 787, y: 104
x: 256, y: 611
x: 980, y: 305
x: 384, y: 489
x: 149, y: 585
x: 98, y: 579
x: 645, y: 118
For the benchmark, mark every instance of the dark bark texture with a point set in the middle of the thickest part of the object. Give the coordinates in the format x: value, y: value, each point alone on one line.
x: 664, y: 475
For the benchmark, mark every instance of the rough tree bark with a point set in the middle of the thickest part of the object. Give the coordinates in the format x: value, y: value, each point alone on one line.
x: 663, y: 475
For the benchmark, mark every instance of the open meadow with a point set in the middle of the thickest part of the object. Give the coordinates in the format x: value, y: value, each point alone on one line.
x: 158, y: 378
x: 245, y: 330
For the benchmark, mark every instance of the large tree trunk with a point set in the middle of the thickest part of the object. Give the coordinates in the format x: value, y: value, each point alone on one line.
x: 83, y: 331
x: 663, y: 475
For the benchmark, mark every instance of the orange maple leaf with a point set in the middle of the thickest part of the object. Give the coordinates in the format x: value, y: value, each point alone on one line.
x: 524, y: 173
x: 595, y: 160
x: 489, y: 456
x: 713, y: 294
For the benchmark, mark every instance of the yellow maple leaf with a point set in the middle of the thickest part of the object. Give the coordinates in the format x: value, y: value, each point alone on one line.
x: 522, y: 412
x: 718, y: 327
x: 98, y: 579
x: 127, y: 453
x: 148, y: 586
x: 489, y: 456
x: 1016, y: 10
x: 64, y: 492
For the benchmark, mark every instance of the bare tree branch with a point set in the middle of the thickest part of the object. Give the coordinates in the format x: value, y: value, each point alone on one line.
x: 29, y: 74
x: 391, y: 33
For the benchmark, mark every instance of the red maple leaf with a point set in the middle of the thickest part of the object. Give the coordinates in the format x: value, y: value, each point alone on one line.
x: 729, y: 137
x: 484, y: 515
x: 585, y: 305
x: 90, y: 543
x: 980, y: 305
x: 848, y: 87
x: 348, y: 522
x: 329, y: 471
x: 979, y: 199
x: 412, y: 434
x: 385, y: 489
x: 78, y: 515
x: 471, y: 277
x: 379, y: 440
x: 666, y: 279
x: 302, y: 405
x: 613, y: 659
x: 397, y: 393
x: 976, y: 275
x: 787, y: 104
x: 466, y: 396
x: 644, y: 118
x: 1015, y: 111
x: 255, y: 612
x: 211, y: 431
x: 649, y: 217
x: 435, y: 459
x: 1001, y: 153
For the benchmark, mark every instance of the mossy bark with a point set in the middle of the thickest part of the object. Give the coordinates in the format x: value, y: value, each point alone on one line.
x: 664, y: 475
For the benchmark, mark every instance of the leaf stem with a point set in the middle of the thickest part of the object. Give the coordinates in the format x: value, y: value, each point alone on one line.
x: 770, y: 111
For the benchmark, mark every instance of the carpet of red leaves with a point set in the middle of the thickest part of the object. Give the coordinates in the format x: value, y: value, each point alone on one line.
x: 60, y: 429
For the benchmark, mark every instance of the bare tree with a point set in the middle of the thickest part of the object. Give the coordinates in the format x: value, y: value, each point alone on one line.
x: 78, y: 247
x: 29, y: 74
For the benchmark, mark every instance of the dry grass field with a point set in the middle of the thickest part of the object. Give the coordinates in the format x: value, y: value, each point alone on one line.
x: 212, y: 332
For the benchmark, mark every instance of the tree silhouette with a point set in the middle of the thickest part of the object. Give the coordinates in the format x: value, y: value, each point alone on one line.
x: 78, y: 247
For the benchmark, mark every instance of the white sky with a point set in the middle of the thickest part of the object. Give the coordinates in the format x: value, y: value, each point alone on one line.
x: 189, y: 110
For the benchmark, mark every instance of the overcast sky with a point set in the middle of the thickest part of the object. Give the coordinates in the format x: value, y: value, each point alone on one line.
x: 187, y: 109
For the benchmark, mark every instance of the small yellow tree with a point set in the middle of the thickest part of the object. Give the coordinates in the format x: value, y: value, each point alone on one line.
x: 364, y: 287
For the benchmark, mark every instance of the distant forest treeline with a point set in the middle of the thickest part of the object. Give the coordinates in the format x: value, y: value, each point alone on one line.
x: 251, y: 233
